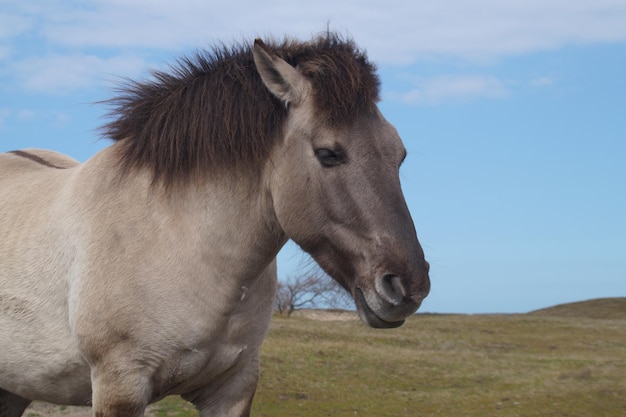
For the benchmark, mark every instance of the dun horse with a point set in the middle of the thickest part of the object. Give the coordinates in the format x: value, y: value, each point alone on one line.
x: 149, y: 270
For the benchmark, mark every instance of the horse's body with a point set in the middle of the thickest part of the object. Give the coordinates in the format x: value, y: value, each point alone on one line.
x: 69, y: 302
x: 149, y: 270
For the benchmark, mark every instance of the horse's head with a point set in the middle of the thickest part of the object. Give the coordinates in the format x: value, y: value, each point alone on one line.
x: 336, y: 192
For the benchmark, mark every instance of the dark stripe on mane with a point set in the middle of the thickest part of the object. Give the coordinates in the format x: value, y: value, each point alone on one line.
x: 36, y: 159
x: 212, y: 111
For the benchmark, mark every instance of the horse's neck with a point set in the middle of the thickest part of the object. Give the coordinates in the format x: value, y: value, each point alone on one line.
x: 234, y: 219
x: 227, y: 222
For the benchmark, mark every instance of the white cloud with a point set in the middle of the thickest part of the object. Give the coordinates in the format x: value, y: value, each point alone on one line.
x: 68, y: 73
x: 542, y: 82
x: 5, y: 113
x: 25, y: 115
x: 4, y: 52
x: 12, y: 25
x: 435, y: 90
x: 8, y: 116
x: 71, y: 36
x: 15, y: 116
x: 393, y: 31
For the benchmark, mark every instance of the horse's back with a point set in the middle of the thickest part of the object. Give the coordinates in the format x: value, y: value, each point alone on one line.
x: 26, y: 160
x: 31, y: 182
x: 31, y: 173
x: 35, y: 256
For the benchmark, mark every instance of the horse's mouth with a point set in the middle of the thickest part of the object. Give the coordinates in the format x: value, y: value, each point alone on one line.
x: 368, y: 316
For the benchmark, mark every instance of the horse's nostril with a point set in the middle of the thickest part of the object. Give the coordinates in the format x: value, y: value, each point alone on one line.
x: 392, y: 289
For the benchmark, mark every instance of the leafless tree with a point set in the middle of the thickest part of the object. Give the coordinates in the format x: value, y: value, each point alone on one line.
x: 307, y: 291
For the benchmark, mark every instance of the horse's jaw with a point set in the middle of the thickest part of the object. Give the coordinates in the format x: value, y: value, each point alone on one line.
x: 369, y: 317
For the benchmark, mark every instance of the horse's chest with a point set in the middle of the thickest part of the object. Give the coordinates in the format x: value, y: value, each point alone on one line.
x: 196, y: 367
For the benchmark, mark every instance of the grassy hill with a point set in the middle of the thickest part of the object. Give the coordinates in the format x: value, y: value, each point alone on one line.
x: 443, y: 365
x: 602, y: 308
x: 558, y: 362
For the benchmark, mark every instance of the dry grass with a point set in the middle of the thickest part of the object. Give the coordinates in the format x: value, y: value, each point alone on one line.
x: 547, y: 364
x: 602, y: 308
x: 445, y: 365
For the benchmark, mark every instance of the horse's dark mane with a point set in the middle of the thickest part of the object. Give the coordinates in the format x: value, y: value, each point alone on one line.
x: 212, y: 110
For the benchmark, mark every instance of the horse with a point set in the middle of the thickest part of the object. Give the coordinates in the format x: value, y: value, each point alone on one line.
x: 149, y: 270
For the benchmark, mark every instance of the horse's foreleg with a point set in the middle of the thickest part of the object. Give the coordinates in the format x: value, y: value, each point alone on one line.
x: 231, y: 397
x: 12, y: 405
x: 119, y: 392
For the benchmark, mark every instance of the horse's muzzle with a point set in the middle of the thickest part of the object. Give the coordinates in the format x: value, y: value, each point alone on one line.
x: 369, y: 316
x: 390, y: 302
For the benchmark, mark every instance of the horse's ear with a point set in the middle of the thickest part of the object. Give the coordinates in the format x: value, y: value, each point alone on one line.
x: 283, y: 80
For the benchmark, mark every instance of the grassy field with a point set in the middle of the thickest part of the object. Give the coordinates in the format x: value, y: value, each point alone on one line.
x: 541, y: 364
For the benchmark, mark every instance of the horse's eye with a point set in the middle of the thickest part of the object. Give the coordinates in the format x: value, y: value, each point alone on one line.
x: 330, y: 158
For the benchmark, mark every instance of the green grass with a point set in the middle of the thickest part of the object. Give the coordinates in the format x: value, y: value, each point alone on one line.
x: 532, y: 365
x: 173, y: 406
x: 602, y: 308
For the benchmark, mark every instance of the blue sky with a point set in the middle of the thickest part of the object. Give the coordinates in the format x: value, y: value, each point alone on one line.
x: 513, y: 113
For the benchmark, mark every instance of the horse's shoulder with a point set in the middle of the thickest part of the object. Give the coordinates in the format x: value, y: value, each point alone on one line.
x: 29, y: 159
